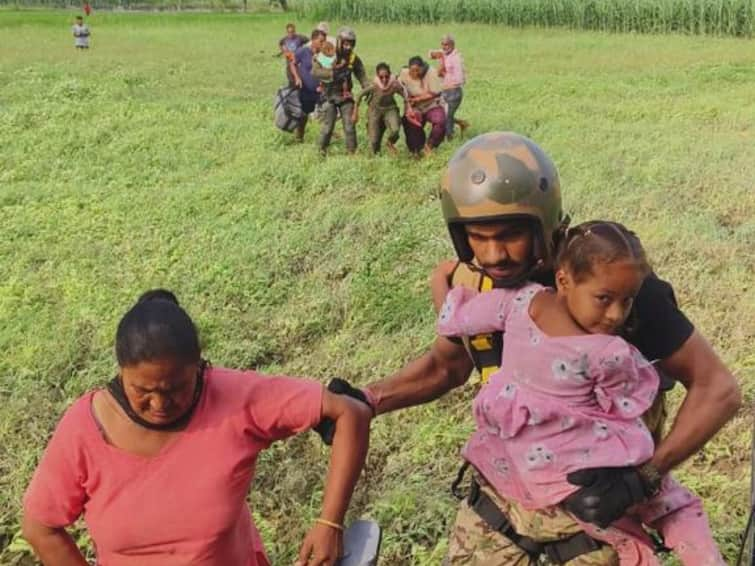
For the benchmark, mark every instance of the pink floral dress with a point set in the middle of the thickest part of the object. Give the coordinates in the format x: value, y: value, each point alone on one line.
x: 566, y: 403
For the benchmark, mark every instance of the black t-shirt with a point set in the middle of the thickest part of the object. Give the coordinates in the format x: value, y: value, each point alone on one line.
x: 657, y: 327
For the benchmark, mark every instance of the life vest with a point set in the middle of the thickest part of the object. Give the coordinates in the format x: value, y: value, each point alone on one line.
x: 484, y: 349
x: 352, y: 60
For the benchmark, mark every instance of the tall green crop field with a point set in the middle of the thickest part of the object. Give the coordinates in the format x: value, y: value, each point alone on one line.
x: 717, y: 17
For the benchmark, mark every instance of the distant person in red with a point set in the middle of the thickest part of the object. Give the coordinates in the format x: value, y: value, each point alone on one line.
x: 87, y: 8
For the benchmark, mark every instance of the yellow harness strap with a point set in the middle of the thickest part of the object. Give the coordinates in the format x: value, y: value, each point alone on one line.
x: 484, y: 349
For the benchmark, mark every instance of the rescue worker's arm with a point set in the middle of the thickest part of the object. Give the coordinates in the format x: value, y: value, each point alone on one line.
x: 444, y: 367
x: 362, y: 95
x: 365, y: 92
x: 713, y: 397
x: 360, y: 73
x: 447, y: 365
x: 53, y: 546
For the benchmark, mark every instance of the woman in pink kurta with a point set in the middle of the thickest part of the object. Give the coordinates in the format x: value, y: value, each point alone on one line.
x: 571, y: 398
x: 155, y: 493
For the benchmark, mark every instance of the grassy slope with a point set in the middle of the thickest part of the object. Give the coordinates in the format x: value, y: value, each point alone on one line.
x: 151, y: 160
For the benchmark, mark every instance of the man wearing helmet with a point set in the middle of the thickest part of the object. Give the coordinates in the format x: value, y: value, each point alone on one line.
x: 501, y: 200
x: 338, y: 84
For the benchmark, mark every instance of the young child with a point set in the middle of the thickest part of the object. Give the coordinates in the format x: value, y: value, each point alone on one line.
x: 571, y: 391
x: 80, y: 34
x: 327, y: 59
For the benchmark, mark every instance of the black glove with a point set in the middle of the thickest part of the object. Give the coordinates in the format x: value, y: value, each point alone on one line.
x: 327, y: 428
x: 606, y: 494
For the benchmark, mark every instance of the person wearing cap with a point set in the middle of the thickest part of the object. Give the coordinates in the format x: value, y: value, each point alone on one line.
x: 501, y: 199
x: 338, y: 90
x: 424, y: 88
x: 454, y: 76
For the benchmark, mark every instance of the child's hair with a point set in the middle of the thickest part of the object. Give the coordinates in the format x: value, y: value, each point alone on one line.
x: 316, y: 33
x: 80, y: 18
x: 382, y: 66
x: 290, y: 25
x: 328, y: 49
x: 599, y: 242
x: 156, y: 327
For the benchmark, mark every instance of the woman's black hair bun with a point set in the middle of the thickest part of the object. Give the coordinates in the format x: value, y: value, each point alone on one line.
x: 158, y: 295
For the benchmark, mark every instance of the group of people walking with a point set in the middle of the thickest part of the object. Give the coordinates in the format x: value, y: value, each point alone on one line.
x: 568, y: 457
x: 325, y: 69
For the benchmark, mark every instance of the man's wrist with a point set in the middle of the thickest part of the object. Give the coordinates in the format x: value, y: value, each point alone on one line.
x: 372, y: 400
x: 651, y: 478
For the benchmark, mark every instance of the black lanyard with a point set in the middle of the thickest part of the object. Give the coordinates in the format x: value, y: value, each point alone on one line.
x: 115, y: 386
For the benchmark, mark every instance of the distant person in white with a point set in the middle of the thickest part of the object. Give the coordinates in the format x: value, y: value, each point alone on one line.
x: 80, y: 34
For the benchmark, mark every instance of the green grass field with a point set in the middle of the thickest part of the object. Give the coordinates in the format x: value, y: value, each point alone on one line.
x: 152, y: 160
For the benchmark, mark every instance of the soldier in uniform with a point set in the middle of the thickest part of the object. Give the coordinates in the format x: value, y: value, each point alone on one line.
x: 338, y: 97
x: 501, y: 201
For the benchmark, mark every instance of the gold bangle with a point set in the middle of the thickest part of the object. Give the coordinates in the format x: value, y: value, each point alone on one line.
x: 329, y: 523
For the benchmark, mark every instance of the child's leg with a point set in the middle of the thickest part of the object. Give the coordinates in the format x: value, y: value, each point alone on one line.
x: 678, y: 515
x: 630, y: 541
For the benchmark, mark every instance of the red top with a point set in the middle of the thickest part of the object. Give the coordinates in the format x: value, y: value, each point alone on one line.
x: 187, y: 504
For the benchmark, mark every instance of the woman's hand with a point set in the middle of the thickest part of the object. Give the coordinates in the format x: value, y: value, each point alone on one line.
x: 413, y: 116
x: 322, y: 546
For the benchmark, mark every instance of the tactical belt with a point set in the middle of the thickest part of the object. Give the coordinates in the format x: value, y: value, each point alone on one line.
x: 557, y: 551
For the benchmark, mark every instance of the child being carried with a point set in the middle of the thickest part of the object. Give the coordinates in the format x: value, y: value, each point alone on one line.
x: 572, y: 392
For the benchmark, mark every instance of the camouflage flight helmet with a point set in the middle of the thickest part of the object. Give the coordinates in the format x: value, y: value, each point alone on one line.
x: 500, y: 176
x: 346, y: 33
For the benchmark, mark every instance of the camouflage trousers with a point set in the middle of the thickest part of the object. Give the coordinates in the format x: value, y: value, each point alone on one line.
x: 473, y: 543
x: 380, y: 121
